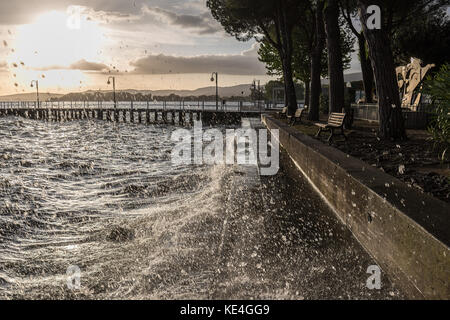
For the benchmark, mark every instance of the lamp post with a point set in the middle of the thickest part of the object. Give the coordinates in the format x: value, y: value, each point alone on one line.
x: 217, y: 88
x: 257, y: 90
x: 37, y: 90
x: 114, y: 89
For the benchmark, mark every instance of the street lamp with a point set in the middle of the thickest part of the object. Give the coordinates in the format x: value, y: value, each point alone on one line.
x: 257, y: 89
x: 114, y: 89
x: 37, y: 90
x: 217, y: 88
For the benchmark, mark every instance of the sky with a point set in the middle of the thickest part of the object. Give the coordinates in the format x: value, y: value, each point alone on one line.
x: 75, y: 45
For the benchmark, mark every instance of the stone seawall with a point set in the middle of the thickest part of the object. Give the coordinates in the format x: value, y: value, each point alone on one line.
x: 408, y: 233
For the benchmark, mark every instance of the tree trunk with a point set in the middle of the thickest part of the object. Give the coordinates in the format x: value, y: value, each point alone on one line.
x: 316, y: 86
x: 285, y: 52
x: 366, y: 68
x: 289, y: 85
x: 316, y: 64
x: 335, y: 67
x: 391, y: 119
x: 307, y: 90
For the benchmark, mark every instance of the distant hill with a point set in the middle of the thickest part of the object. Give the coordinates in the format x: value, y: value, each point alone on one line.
x: 236, y: 91
x: 30, y: 96
x: 239, y: 90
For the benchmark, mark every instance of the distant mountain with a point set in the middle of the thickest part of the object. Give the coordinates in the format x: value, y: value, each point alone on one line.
x: 239, y: 90
x: 30, y: 96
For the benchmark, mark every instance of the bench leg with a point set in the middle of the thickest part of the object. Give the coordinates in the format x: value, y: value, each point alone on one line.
x: 318, y: 133
x: 331, y: 135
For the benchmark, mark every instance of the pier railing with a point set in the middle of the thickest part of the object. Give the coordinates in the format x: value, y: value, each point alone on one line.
x: 228, y: 106
x: 181, y: 113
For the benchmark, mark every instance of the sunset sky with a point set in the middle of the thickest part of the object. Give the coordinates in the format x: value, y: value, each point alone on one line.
x: 73, y: 45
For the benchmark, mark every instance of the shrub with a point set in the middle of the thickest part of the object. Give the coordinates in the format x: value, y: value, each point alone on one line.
x: 438, y: 88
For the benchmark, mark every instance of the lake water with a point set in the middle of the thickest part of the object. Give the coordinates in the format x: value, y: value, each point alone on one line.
x: 81, y: 193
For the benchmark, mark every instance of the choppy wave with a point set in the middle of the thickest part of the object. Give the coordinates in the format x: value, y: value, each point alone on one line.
x: 106, y: 198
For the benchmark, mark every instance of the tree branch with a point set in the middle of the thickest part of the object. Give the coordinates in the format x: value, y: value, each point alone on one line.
x: 348, y: 18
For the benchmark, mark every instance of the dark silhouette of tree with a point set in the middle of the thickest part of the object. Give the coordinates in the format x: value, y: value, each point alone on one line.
x: 303, y: 40
x: 349, y: 12
x: 317, y: 48
x: 275, y: 19
x: 426, y: 37
x: 303, y: 35
x: 394, y: 14
x: 335, y: 66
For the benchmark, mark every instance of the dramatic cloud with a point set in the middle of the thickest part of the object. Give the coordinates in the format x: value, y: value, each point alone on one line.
x: 21, y: 11
x: 110, y: 17
x: 88, y: 66
x: 147, y: 38
x: 202, y: 23
x: 239, y: 64
x: 82, y: 65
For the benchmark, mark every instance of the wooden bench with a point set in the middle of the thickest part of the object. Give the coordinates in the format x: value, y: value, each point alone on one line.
x: 297, y: 116
x: 335, y: 121
x: 283, y: 113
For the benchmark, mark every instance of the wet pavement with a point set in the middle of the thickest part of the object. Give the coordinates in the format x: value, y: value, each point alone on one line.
x: 281, y: 241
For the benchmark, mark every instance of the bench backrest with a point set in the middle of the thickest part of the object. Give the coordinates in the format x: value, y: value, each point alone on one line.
x: 284, y: 110
x: 298, y: 113
x: 336, y: 119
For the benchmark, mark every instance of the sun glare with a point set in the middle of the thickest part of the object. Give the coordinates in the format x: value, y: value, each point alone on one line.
x: 52, y: 42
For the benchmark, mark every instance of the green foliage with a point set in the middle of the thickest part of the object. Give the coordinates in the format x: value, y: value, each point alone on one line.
x: 301, y: 56
x: 427, y: 37
x: 245, y: 19
x: 347, y: 44
x: 301, y: 62
x: 274, y: 19
x: 439, y: 90
x: 269, y: 55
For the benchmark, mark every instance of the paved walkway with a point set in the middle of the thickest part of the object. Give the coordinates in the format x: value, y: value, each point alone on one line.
x: 281, y: 241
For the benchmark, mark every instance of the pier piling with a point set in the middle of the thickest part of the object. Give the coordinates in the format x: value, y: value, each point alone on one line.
x: 183, y: 115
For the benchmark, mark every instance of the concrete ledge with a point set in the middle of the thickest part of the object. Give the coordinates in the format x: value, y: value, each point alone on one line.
x: 408, y: 233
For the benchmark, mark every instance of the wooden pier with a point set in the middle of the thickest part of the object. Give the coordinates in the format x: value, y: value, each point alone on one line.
x: 145, y: 115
